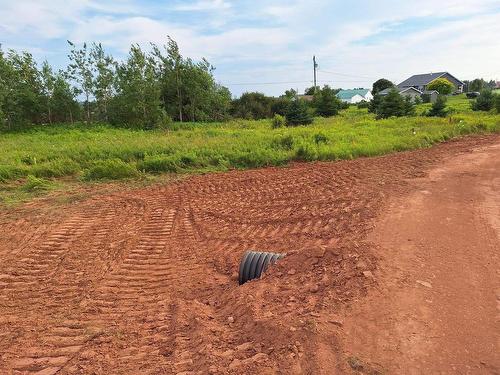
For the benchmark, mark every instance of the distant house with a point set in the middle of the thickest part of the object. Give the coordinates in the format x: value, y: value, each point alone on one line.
x: 355, y: 96
x: 420, y: 81
x: 307, y: 98
x: 412, y: 92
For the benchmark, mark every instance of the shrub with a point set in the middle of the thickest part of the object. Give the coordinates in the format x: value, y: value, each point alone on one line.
x: 363, y: 104
x: 441, y: 85
x: 306, y: 152
x: 298, y: 114
x: 497, y: 103
x: 33, y: 184
x: 426, y: 98
x: 159, y: 163
x: 285, y: 143
x: 320, y: 138
x: 438, y: 109
x: 278, y: 121
x: 280, y: 106
x: 484, y: 102
x: 9, y: 172
x: 252, y: 105
x: 110, y: 169
x: 56, y: 168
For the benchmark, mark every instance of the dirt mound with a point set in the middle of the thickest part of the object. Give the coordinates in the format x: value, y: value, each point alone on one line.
x: 146, y: 281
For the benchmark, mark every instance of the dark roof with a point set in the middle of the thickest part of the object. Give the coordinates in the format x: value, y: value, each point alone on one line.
x: 424, y: 79
x: 386, y: 91
x: 399, y: 89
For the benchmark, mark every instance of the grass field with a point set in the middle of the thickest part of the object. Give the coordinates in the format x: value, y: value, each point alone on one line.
x: 47, y: 157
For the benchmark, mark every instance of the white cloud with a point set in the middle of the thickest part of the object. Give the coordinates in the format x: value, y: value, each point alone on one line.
x: 203, y: 5
x: 273, y: 41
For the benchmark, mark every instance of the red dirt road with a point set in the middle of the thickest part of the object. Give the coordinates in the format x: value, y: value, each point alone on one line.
x: 439, y: 247
x: 392, y: 268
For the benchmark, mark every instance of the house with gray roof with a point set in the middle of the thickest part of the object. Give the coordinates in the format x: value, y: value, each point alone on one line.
x: 355, y: 96
x: 420, y: 81
x: 412, y: 92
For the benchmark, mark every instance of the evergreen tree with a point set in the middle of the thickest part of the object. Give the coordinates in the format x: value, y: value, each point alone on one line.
x: 484, y: 102
x: 298, y: 113
x: 438, y: 109
x: 375, y: 103
x: 393, y: 104
x: 326, y: 102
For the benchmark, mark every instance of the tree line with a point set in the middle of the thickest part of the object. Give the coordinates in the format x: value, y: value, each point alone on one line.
x: 148, y: 89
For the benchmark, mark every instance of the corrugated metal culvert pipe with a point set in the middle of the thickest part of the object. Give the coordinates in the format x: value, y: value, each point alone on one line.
x: 254, y: 263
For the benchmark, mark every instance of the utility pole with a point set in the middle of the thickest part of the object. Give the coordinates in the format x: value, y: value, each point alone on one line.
x: 314, y: 67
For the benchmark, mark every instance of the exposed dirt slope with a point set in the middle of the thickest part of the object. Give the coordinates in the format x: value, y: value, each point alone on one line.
x: 144, y: 282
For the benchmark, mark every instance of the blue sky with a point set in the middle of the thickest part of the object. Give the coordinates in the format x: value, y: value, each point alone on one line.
x: 267, y: 46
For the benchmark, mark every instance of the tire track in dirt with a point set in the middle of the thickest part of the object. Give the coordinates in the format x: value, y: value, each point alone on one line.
x: 150, y: 285
x: 61, y: 288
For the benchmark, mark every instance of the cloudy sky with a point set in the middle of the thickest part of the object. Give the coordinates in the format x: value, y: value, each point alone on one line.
x: 267, y: 46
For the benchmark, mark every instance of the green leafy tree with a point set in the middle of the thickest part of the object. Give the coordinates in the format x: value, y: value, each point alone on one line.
x: 311, y: 90
x: 137, y: 102
x: 290, y: 94
x: 380, y: 85
x: 326, y: 102
x: 438, y: 109
x: 484, y: 102
x: 64, y: 105
x: 188, y: 89
x: 48, y: 82
x: 24, y: 103
x: 477, y: 84
x: 252, y: 105
x: 80, y: 70
x: 497, y: 103
x: 298, y: 113
x: 280, y: 105
x: 441, y: 85
x: 103, y: 69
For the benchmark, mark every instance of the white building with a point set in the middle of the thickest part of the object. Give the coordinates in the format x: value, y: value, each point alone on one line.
x: 355, y: 96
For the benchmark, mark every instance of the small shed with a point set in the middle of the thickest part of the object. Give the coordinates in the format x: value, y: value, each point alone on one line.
x: 410, y: 92
x: 433, y: 95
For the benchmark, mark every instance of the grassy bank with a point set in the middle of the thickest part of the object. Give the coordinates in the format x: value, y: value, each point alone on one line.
x: 98, y: 152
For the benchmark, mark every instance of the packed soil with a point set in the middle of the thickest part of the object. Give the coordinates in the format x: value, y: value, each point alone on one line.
x: 391, y: 268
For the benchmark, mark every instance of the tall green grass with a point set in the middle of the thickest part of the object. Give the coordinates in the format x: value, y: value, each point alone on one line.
x: 101, y: 152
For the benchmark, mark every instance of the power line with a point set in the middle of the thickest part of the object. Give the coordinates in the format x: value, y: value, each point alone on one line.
x: 346, y: 75
x: 265, y: 83
x: 290, y: 82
